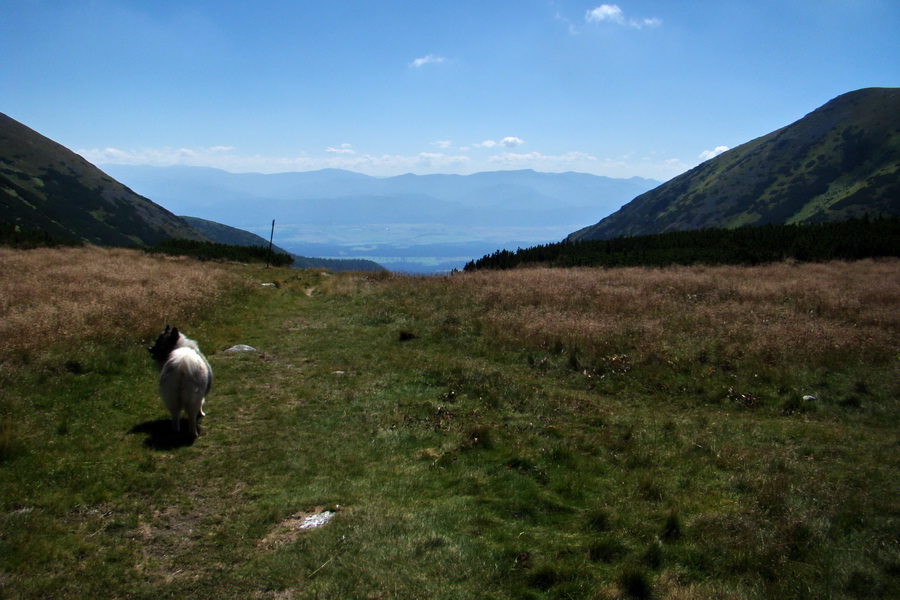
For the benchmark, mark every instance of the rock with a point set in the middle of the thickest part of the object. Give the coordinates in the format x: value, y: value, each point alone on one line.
x: 241, y: 348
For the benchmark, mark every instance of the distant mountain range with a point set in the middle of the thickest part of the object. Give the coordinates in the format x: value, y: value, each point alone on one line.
x: 334, y: 196
x: 46, y: 186
x: 840, y: 161
x: 418, y: 223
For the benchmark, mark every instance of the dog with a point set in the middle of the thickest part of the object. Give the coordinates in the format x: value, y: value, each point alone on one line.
x: 185, y: 376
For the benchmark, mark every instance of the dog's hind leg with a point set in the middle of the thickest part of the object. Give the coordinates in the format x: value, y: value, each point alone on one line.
x: 192, y: 424
x: 176, y: 420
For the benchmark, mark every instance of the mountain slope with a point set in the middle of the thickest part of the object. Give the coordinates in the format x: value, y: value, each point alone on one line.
x: 43, y: 185
x: 223, y: 234
x: 840, y: 161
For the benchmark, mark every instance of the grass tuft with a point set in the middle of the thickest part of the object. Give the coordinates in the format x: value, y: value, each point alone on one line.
x: 635, y: 583
x: 598, y: 519
x: 607, y: 549
x: 672, y: 528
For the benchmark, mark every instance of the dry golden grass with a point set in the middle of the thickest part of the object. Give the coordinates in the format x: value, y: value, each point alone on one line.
x: 778, y: 313
x: 56, y: 297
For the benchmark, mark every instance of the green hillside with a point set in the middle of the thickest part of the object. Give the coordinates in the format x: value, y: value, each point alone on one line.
x: 45, y: 186
x: 840, y: 161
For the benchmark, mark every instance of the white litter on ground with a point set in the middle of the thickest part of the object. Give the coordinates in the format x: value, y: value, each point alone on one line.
x: 292, y: 527
x: 313, y: 521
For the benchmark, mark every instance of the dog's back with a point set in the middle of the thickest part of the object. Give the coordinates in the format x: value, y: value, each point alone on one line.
x: 185, y: 376
x: 183, y: 383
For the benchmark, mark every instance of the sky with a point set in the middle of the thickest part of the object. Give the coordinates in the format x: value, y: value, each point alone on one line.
x: 633, y: 88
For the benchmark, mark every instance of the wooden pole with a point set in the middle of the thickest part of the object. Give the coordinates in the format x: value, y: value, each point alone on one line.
x: 271, y: 237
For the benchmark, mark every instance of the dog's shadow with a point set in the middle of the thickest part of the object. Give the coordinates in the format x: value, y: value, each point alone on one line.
x: 160, y: 435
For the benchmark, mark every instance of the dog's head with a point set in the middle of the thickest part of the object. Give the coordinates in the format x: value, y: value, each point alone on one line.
x: 164, y: 345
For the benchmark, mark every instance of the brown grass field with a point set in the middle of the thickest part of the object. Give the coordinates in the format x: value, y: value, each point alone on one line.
x: 59, y: 297
x: 774, y: 314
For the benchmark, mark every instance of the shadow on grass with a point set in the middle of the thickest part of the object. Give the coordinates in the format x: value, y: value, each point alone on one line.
x: 160, y: 435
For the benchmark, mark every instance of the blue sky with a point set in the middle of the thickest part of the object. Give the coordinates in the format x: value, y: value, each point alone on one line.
x: 627, y: 88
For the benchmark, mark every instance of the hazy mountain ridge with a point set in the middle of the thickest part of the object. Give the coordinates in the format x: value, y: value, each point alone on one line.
x: 47, y: 186
x: 333, y: 196
x: 840, y: 161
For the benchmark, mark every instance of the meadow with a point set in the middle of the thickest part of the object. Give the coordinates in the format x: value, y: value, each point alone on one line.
x: 687, y: 432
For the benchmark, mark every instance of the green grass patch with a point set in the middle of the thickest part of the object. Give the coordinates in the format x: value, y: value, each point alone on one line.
x: 457, y: 463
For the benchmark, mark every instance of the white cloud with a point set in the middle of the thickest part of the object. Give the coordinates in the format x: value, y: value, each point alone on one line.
x: 605, y: 12
x: 427, y: 60
x: 611, y: 13
x: 341, y: 157
x: 507, y: 142
x: 539, y: 161
x: 442, y: 144
x: 439, y: 160
x: 707, y: 154
x: 344, y: 148
x: 165, y: 156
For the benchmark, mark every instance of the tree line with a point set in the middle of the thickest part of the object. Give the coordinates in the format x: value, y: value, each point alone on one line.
x: 852, y: 239
x: 216, y: 251
x: 15, y: 236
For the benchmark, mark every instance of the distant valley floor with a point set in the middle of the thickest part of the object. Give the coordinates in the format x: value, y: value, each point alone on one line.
x: 409, y: 248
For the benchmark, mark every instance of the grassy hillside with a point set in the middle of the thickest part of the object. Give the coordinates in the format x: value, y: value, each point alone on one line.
x: 225, y: 234
x: 47, y: 187
x: 697, y: 432
x: 840, y: 161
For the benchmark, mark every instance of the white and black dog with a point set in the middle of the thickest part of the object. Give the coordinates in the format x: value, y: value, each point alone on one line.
x: 185, y: 376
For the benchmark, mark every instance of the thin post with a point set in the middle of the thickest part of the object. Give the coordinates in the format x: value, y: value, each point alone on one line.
x: 271, y: 237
